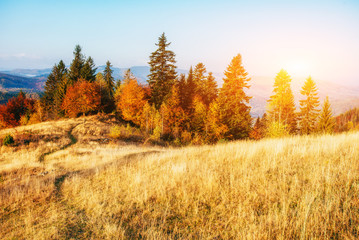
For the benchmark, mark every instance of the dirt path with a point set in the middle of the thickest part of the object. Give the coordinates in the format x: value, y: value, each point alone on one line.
x: 72, y: 138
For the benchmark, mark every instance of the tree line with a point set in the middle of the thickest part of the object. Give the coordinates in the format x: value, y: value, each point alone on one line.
x: 176, y: 107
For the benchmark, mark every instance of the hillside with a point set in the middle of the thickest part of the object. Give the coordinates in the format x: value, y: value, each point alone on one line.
x: 13, y: 82
x: 68, y: 179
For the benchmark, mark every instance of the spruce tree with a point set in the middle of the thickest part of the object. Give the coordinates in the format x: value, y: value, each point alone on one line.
x: 182, y: 90
x: 199, y: 79
x: 234, y: 109
x: 281, y: 103
x: 88, y: 72
x: 308, y: 107
x: 190, y: 91
x: 60, y: 95
x: 109, y: 80
x: 326, y: 122
x: 76, y: 65
x: 162, y: 71
x: 210, y: 89
x: 50, y: 99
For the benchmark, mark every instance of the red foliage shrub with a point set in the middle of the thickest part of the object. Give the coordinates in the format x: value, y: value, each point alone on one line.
x: 15, y: 108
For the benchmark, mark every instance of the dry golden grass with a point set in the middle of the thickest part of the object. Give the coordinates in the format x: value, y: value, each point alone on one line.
x: 289, y: 188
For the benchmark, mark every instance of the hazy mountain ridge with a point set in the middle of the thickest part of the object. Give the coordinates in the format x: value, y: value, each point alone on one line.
x: 13, y: 82
x: 342, y: 98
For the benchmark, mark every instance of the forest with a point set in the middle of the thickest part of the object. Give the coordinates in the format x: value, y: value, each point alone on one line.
x: 177, y: 108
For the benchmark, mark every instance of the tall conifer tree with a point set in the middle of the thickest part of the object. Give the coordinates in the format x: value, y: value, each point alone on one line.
x: 210, y: 89
x: 326, y: 122
x: 234, y: 109
x: 308, y: 107
x: 88, y: 72
x: 190, y: 91
x: 199, y: 79
x: 182, y: 88
x: 281, y: 103
x: 76, y: 65
x: 109, y: 80
x: 162, y: 71
x: 50, y: 99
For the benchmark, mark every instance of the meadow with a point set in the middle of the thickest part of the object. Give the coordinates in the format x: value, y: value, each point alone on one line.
x: 69, y: 179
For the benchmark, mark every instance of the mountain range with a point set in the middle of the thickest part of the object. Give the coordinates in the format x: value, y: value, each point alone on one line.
x: 342, y: 98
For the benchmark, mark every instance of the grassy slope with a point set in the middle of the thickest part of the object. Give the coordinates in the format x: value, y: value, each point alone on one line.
x: 298, y: 187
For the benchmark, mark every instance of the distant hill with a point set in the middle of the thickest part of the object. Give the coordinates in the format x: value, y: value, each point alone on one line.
x: 342, y: 98
x: 12, y: 82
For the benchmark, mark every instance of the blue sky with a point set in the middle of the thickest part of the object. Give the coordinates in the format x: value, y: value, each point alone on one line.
x: 320, y: 38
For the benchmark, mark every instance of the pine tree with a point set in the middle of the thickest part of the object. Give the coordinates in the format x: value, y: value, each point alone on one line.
x: 233, y: 101
x: 210, y: 89
x: 182, y: 90
x: 308, y: 107
x: 76, y: 65
x: 50, y: 100
x: 60, y: 95
x: 162, y: 72
x: 281, y: 103
x: 88, y: 72
x: 128, y: 76
x: 190, y: 92
x: 109, y: 80
x: 326, y: 122
x: 199, y: 79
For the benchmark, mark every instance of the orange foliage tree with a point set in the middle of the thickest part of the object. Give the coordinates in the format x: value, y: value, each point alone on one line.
x: 83, y: 97
x: 130, y: 101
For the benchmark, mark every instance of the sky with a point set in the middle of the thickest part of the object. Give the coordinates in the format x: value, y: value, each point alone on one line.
x: 308, y: 37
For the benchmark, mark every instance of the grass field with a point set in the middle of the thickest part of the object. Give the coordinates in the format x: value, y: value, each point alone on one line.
x: 68, y: 179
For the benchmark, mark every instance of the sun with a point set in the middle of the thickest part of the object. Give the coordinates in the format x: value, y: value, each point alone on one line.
x: 297, y: 68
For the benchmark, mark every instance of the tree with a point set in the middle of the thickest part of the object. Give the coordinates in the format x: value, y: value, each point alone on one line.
x: 190, y: 91
x: 210, y: 89
x: 131, y: 101
x: 256, y: 133
x: 233, y: 101
x: 60, y: 95
x: 199, y: 79
x: 182, y: 89
x: 128, y: 76
x: 162, y: 72
x: 51, y: 99
x: 82, y: 98
x: 308, y: 107
x: 281, y: 103
x: 216, y: 130
x: 199, y: 116
x: 173, y: 115
x: 15, y: 108
x: 326, y: 122
x: 109, y: 80
x: 76, y: 65
x: 88, y: 72
x: 107, y: 102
